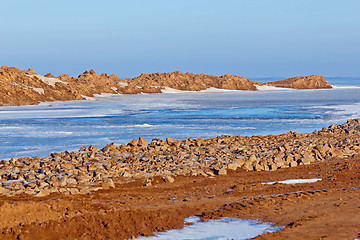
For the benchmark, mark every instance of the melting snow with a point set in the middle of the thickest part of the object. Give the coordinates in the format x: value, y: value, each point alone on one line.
x: 225, y: 228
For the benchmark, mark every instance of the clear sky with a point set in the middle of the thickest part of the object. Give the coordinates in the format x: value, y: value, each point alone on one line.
x: 130, y: 37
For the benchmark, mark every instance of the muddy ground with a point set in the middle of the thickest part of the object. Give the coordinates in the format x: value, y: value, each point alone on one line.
x: 327, y: 209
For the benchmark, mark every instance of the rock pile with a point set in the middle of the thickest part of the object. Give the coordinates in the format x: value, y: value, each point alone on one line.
x: 91, y: 169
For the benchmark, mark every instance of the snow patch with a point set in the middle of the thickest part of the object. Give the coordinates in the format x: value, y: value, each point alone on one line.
x: 47, y: 80
x: 39, y: 90
x: 214, y: 90
x: 208, y: 90
x: 88, y: 98
x: 105, y: 95
x: 270, y: 88
x: 173, y: 90
x: 143, y: 125
x: 123, y: 84
x: 295, y: 181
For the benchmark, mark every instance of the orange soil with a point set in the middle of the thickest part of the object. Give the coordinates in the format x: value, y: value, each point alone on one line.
x: 328, y: 209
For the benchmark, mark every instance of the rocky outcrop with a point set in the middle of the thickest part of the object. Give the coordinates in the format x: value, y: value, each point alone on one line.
x: 90, y: 83
x: 192, y: 82
x: 309, y: 82
x: 26, y: 87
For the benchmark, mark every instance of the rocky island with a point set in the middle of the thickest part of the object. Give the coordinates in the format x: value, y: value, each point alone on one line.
x: 27, y: 87
x: 310, y: 82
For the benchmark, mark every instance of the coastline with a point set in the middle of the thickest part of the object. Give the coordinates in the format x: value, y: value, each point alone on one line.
x: 28, y: 88
x: 226, y: 175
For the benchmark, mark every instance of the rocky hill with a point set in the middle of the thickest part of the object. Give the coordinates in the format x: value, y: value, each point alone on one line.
x: 27, y: 87
x: 192, y: 82
x: 310, y: 82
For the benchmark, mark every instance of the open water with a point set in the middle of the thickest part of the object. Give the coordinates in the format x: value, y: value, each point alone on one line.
x: 55, y: 127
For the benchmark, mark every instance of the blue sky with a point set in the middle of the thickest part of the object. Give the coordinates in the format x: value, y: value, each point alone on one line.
x: 244, y: 37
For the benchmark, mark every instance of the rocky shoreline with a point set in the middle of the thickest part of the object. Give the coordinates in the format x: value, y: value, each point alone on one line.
x: 90, y: 169
x: 27, y: 87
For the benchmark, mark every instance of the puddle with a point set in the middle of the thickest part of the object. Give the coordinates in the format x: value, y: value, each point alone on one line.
x: 225, y: 228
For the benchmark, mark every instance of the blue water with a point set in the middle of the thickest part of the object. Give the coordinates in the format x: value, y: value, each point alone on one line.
x: 55, y: 127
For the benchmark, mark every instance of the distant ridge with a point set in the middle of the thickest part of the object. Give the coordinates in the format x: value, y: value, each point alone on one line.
x: 19, y: 87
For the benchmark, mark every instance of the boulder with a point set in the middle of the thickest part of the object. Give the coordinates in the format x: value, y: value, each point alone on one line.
x: 42, y: 193
x: 142, y: 142
x: 168, y: 179
x: 108, y: 184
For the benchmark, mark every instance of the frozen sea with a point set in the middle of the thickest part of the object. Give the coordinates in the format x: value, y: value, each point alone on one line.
x: 55, y: 127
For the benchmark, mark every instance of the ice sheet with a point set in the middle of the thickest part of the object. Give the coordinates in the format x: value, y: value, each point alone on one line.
x: 225, y: 228
x: 59, y: 126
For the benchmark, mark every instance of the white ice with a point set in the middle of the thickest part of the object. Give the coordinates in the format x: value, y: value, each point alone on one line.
x: 226, y: 228
x: 39, y: 90
x: 270, y: 88
x: 143, y: 125
x: 105, y: 95
x: 345, y: 87
x: 215, y: 90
